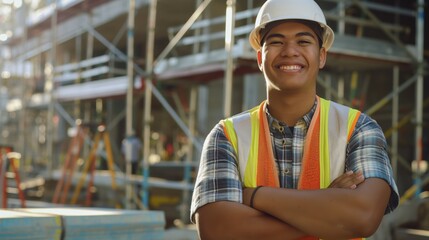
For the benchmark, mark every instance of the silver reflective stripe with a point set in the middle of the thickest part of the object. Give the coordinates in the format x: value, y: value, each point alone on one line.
x: 338, y: 119
x: 243, y: 130
x: 337, y: 137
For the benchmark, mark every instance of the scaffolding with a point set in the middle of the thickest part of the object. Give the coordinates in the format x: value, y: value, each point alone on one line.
x: 102, y: 61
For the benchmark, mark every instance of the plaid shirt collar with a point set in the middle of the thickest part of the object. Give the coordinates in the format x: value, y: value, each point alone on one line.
x: 306, y: 119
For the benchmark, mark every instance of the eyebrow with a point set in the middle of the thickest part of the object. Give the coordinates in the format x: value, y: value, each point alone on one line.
x: 305, y: 34
x: 300, y: 34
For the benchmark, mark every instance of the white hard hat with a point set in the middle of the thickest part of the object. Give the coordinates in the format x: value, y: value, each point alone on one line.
x: 275, y: 10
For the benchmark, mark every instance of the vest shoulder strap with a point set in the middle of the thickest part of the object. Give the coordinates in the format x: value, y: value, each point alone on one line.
x: 238, y: 130
x: 342, y: 121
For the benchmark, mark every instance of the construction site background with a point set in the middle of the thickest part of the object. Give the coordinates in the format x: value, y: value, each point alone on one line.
x: 77, y: 77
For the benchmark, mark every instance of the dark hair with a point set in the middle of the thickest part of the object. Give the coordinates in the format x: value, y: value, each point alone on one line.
x: 317, y: 29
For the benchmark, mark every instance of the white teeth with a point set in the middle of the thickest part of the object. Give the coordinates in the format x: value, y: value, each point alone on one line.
x: 290, y: 67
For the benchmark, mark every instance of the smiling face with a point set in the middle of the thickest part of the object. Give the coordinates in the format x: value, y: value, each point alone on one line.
x: 290, y: 58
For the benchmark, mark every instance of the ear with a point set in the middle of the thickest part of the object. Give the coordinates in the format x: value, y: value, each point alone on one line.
x: 322, y: 57
x: 259, y: 57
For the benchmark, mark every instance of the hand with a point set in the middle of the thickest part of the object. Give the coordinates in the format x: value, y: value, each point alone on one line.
x: 349, y: 180
x: 247, y: 194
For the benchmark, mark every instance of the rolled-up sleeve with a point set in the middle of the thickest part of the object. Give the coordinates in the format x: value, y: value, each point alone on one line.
x: 218, y: 176
x: 367, y: 152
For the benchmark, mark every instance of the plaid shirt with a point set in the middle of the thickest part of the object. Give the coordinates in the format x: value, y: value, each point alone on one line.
x: 219, y: 179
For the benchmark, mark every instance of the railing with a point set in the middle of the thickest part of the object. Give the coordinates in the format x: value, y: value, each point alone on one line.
x: 386, y: 25
x: 97, y: 67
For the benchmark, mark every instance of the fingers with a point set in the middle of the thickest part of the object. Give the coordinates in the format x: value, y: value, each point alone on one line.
x: 348, y: 180
x: 359, y: 178
x: 355, y: 179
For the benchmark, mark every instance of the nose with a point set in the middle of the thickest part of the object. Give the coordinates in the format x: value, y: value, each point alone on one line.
x: 289, y: 50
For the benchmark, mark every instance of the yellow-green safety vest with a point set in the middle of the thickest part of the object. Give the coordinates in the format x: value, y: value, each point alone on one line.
x: 335, y: 128
x: 324, y: 150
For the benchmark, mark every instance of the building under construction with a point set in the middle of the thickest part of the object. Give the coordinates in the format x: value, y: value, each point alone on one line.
x: 80, y: 76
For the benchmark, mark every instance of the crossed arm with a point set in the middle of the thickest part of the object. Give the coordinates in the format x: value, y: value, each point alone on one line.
x: 341, y: 211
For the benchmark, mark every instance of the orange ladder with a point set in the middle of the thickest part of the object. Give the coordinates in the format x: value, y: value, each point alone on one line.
x: 8, y: 158
x: 73, y: 154
x: 90, y: 163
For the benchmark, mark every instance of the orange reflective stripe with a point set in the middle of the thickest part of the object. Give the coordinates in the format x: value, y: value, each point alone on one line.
x: 310, y: 170
x: 262, y: 158
x: 353, y: 124
x: 225, y: 130
x: 267, y: 173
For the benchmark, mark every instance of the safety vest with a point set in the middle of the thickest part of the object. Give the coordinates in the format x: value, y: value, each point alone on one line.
x: 324, y: 148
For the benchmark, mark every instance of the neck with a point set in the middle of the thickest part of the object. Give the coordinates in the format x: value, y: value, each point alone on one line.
x: 289, y: 108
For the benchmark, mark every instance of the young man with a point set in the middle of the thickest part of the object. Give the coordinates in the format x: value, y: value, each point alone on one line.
x: 297, y: 165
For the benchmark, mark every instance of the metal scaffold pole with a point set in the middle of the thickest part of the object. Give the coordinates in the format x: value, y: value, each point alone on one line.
x: 198, y: 144
x: 229, y: 47
x: 50, y: 87
x: 89, y: 54
x: 419, y: 88
x: 22, y: 122
x: 129, y: 108
x: 419, y: 83
x: 395, y: 119
x: 148, y: 100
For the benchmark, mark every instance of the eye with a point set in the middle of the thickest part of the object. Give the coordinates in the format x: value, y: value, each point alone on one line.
x: 274, y: 42
x: 304, y: 42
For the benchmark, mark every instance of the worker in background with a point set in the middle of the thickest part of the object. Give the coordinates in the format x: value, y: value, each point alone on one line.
x: 131, y: 148
x: 297, y: 165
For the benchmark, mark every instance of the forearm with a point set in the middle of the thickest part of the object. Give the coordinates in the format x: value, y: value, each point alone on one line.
x: 311, y: 211
x: 229, y: 220
x: 328, y: 213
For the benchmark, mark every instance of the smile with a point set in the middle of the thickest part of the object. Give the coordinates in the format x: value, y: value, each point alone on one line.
x: 289, y: 68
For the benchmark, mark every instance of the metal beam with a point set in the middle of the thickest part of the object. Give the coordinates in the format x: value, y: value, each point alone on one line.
x: 229, y: 64
x: 129, y: 127
x: 150, y: 43
x: 404, y: 120
x: 198, y: 144
x: 419, y: 85
x: 389, y: 96
x: 49, y: 71
x: 395, y: 39
x: 332, y: 91
x: 182, y: 32
x: 395, y: 116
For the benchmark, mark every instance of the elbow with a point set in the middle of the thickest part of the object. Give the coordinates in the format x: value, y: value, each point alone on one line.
x: 366, y: 231
x: 210, y: 229
x: 207, y: 231
x: 367, y: 224
x: 204, y: 233
x: 214, y: 227
x: 369, y: 205
x: 204, y: 230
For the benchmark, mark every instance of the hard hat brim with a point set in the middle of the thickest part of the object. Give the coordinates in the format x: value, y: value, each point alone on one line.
x: 255, y: 35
